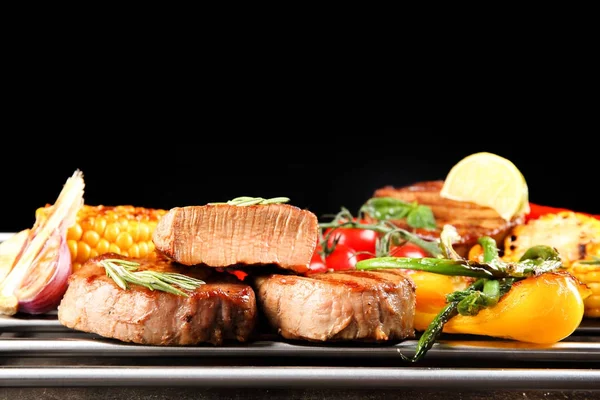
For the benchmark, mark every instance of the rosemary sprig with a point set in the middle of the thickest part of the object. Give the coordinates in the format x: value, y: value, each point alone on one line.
x: 124, y: 272
x: 250, y: 201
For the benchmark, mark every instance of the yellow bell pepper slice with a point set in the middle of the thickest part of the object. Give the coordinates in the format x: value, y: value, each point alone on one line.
x: 543, y: 309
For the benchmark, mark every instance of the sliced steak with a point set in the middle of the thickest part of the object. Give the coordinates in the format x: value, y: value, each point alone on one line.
x: 370, y: 306
x: 470, y: 220
x: 224, y: 235
x: 213, y: 313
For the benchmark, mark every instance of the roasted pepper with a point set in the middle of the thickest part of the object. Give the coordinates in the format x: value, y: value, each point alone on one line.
x: 532, y: 300
x: 431, y: 291
x: 541, y: 309
x: 538, y: 210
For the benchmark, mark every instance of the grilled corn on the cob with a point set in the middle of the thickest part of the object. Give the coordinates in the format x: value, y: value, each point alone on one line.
x: 588, y: 272
x: 576, y: 236
x: 125, y: 230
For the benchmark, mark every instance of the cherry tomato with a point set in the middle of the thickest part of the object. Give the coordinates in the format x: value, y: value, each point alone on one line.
x: 316, y: 262
x: 408, y: 250
x: 363, y: 241
x: 342, y: 258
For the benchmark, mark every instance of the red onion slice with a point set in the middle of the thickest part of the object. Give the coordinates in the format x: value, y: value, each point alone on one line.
x: 42, y: 291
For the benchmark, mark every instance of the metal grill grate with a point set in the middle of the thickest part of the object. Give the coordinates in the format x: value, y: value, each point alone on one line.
x: 39, y: 351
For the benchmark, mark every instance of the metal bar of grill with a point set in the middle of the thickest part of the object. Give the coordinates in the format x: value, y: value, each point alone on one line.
x: 489, y: 378
x: 31, y: 337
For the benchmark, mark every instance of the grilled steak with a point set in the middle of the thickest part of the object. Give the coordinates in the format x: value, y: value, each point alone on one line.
x: 370, y: 306
x: 470, y: 220
x: 224, y: 235
x: 213, y: 313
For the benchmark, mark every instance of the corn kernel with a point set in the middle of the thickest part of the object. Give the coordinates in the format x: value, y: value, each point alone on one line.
x: 591, y: 313
x: 113, y: 248
x: 592, y: 302
x: 87, y: 224
x: 100, y: 226
x: 72, y: 248
x: 590, y: 275
x: 103, y: 246
x: 75, y: 232
x: 144, y: 248
x: 144, y: 232
x: 83, y: 252
x: 134, y: 251
x: 92, y: 238
x: 124, y: 241
x: 134, y: 230
x: 112, y: 231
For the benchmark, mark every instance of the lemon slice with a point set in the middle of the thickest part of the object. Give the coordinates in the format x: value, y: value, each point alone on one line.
x: 488, y: 180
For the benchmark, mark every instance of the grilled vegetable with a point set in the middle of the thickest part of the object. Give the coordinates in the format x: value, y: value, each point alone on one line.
x: 9, y: 251
x: 39, y: 274
x: 431, y: 292
x: 124, y: 230
x: 588, y: 272
x: 537, y: 210
x: 533, y: 299
x: 540, y: 309
x: 574, y: 235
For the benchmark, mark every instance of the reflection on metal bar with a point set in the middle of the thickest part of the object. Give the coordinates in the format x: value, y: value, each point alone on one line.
x: 274, y: 377
x: 44, y: 336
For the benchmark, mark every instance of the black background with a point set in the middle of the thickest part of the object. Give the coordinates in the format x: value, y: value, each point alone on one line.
x: 317, y: 168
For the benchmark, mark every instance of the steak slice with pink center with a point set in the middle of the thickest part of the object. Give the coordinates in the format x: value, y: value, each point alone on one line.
x: 220, y: 310
x: 370, y: 306
x: 225, y: 235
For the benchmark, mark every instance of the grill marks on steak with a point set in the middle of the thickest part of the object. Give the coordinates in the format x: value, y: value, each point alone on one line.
x: 223, y: 235
x: 215, y: 312
x: 370, y: 306
x: 470, y: 220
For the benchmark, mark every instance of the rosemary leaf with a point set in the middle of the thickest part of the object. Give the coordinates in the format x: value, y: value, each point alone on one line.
x: 111, y: 272
x: 275, y: 200
x: 123, y: 272
x: 249, y: 201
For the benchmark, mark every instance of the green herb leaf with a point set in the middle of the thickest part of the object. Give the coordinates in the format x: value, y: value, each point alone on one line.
x: 250, y: 201
x: 390, y: 208
x: 123, y: 272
